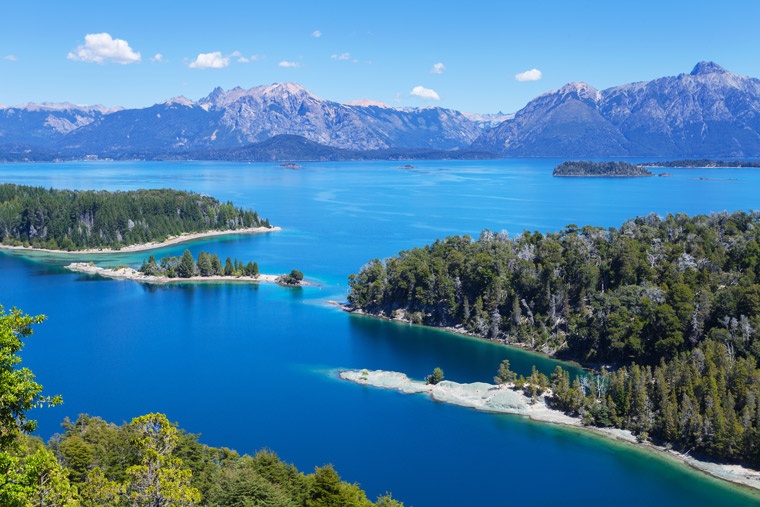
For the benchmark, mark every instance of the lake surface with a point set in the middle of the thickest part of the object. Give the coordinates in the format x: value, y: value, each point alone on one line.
x: 251, y: 366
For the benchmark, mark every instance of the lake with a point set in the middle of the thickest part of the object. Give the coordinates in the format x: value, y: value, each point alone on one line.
x: 252, y: 367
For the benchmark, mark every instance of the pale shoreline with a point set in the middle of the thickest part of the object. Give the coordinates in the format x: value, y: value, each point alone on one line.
x: 497, y: 399
x: 171, y: 240
x: 126, y: 273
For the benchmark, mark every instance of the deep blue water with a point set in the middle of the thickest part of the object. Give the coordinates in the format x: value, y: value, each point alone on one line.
x: 253, y: 366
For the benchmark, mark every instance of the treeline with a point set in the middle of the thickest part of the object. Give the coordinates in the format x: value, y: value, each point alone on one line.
x: 705, y: 401
x: 207, y: 265
x: 648, y: 290
x: 76, y: 220
x: 672, y: 304
x: 703, y: 162
x: 148, y: 462
x: 586, y: 168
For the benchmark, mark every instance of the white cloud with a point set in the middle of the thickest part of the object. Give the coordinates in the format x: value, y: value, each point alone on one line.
x: 290, y: 65
x: 158, y: 57
x: 316, y: 34
x: 342, y: 56
x: 438, y: 68
x: 101, y: 48
x: 424, y: 93
x: 529, y: 75
x: 213, y: 60
x: 11, y: 58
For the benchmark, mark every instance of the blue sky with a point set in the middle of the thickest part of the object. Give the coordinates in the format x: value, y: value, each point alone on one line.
x: 137, y: 53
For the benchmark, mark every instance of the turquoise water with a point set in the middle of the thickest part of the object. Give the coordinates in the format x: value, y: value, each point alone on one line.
x: 253, y: 366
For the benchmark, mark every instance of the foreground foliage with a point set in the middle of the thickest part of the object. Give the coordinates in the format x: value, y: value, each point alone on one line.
x: 76, y: 220
x: 673, y: 302
x: 148, y: 462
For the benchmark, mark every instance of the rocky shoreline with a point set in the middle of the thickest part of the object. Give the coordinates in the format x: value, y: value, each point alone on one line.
x: 504, y: 400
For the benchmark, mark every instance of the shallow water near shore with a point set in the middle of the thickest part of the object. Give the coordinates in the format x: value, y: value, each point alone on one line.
x: 252, y: 366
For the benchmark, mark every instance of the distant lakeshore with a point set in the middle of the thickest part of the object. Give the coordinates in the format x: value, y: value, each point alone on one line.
x: 505, y: 400
x: 171, y: 240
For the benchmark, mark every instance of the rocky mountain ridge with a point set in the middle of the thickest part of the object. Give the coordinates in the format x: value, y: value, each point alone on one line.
x: 708, y: 112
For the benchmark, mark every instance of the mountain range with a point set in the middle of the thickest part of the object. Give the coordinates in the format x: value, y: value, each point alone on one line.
x: 709, y: 112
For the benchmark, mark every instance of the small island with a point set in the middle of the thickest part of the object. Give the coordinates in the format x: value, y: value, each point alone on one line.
x: 291, y: 165
x: 207, y: 268
x: 101, y: 221
x: 587, y: 169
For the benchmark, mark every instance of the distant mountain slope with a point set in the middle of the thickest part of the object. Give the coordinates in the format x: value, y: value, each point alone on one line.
x: 709, y: 112
x: 287, y: 147
x: 287, y: 108
x: 40, y: 124
x: 174, y: 125
x: 236, y: 118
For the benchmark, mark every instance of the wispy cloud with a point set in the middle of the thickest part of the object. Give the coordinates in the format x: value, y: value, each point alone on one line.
x: 158, y: 57
x: 529, y: 75
x: 11, y: 58
x: 213, y: 60
x: 290, y: 65
x: 316, y: 34
x: 102, y: 48
x: 438, y: 68
x: 342, y: 56
x: 424, y: 93
x: 241, y: 58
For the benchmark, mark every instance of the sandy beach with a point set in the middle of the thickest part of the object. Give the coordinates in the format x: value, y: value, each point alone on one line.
x: 171, y: 240
x: 125, y: 273
x: 504, y: 400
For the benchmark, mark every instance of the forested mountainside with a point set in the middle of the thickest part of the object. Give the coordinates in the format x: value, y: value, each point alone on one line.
x: 75, y: 220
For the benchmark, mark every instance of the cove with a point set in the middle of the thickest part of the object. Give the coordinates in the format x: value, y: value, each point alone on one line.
x: 251, y: 366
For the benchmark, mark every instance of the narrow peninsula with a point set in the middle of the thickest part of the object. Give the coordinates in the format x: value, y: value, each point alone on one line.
x: 526, y: 397
x: 665, y: 310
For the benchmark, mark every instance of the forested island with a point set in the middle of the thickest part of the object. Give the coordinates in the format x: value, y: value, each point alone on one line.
x: 208, y: 267
x: 670, y: 305
x: 72, y: 220
x: 147, y: 462
x: 601, y: 169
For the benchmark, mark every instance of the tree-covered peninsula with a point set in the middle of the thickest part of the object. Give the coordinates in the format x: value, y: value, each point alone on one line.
x: 75, y: 220
x: 671, y: 304
x: 146, y: 462
x: 600, y: 169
